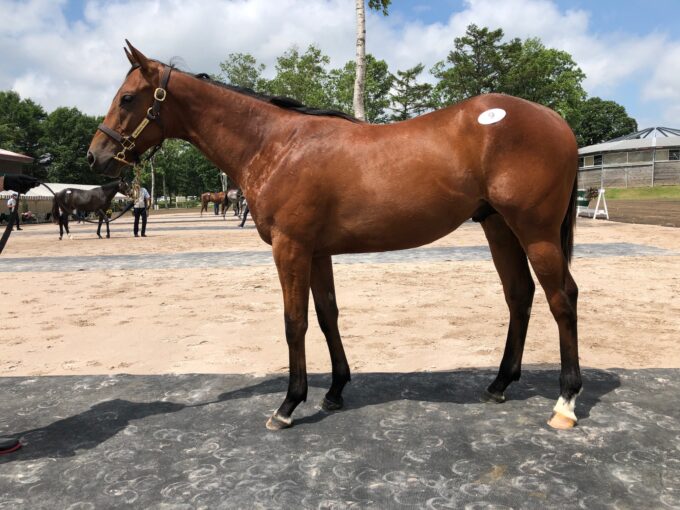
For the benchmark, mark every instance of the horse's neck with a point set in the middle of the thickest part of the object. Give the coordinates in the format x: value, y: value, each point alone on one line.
x: 227, y: 127
x: 110, y: 191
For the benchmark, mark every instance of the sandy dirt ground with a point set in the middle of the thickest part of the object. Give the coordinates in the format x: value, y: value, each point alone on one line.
x: 397, y: 317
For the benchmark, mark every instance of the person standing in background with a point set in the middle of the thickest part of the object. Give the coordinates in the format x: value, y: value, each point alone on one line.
x: 11, y: 205
x: 142, y: 202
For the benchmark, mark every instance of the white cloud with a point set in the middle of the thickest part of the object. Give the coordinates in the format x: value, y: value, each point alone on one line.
x: 57, y: 62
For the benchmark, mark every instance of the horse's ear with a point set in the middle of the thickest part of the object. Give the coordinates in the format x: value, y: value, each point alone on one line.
x: 130, y: 57
x: 144, y: 63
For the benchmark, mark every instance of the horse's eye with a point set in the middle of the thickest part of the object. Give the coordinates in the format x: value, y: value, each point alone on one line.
x: 127, y: 98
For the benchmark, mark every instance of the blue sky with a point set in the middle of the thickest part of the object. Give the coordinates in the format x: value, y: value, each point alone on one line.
x: 68, y: 52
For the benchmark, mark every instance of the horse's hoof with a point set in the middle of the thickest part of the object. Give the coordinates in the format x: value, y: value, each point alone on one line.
x: 328, y: 404
x: 560, y: 422
x: 494, y: 398
x: 60, y: 238
x: 278, y: 422
x: 108, y: 237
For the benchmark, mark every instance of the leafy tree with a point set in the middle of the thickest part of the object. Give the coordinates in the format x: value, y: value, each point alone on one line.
x: 360, y: 61
x: 183, y: 170
x: 596, y: 120
x: 481, y: 63
x: 475, y: 66
x: 243, y: 70
x: 302, y: 76
x: 378, y: 84
x: 67, y: 133
x: 21, y: 127
x: 546, y: 76
x: 410, y: 98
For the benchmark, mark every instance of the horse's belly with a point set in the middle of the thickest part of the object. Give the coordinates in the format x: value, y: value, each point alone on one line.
x: 369, y: 230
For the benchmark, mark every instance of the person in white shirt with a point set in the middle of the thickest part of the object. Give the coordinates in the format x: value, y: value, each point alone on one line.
x: 11, y: 204
x: 142, y: 202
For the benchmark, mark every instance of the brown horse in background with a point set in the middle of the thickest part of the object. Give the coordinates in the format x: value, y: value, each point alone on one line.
x: 216, y: 198
x: 320, y: 183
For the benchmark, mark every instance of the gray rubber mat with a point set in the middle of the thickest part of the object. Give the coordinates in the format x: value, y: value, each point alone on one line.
x: 264, y: 257
x: 419, y: 440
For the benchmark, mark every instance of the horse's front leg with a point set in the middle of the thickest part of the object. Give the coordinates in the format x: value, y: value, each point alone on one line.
x: 99, y: 226
x: 323, y: 290
x: 108, y: 232
x: 293, y: 262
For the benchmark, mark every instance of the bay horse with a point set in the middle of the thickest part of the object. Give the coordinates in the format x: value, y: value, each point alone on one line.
x: 321, y: 183
x: 216, y: 198
x: 96, y: 200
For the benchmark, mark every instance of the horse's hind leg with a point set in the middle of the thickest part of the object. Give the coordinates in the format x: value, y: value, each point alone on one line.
x: 323, y: 291
x: 551, y: 268
x: 518, y: 287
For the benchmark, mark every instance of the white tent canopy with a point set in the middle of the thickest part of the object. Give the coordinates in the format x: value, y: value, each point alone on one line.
x: 42, y: 193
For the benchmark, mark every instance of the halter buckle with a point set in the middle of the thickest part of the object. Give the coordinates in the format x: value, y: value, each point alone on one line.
x: 128, y: 143
x: 121, y: 157
x: 159, y: 94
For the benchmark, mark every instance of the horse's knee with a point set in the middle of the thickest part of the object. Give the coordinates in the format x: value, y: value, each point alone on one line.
x: 519, y: 297
x: 295, y: 328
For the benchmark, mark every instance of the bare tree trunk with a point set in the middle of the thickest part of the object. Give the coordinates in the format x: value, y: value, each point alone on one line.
x: 165, y: 193
x: 153, y: 184
x: 359, y: 81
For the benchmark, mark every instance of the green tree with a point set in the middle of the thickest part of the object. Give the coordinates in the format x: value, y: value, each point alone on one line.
x: 182, y: 170
x: 67, y: 133
x: 243, y: 70
x: 475, y: 66
x: 378, y: 84
x: 302, y: 76
x: 21, y: 126
x: 597, y: 120
x: 546, y: 76
x: 410, y: 98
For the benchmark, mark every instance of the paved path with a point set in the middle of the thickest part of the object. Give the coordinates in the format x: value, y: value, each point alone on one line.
x: 258, y: 258
x: 417, y: 440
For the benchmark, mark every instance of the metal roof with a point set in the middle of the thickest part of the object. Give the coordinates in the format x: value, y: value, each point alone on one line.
x: 649, y: 138
x: 42, y: 193
x: 13, y: 156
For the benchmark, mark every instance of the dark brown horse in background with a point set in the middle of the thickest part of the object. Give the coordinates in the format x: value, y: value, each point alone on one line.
x: 215, y: 198
x: 320, y: 183
x: 96, y: 200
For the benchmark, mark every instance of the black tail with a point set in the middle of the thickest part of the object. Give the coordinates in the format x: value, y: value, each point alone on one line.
x: 568, y: 223
x: 55, y: 210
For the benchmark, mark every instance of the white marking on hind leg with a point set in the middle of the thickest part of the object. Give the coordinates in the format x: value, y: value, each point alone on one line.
x: 566, y: 407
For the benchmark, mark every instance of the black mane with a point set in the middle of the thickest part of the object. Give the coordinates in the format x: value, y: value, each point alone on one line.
x: 286, y: 103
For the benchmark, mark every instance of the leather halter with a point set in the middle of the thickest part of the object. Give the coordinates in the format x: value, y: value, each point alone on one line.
x: 128, y: 141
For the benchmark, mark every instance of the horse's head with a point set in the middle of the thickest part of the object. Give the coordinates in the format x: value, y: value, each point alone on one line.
x: 124, y: 187
x: 132, y: 124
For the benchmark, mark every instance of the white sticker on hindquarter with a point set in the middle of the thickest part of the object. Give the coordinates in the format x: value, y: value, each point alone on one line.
x: 491, y: 116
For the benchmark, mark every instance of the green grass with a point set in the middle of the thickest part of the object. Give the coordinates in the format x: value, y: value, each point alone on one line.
x: 649, y: 193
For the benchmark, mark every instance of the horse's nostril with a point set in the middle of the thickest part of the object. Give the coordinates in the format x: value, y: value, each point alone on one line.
x: 90, y: 158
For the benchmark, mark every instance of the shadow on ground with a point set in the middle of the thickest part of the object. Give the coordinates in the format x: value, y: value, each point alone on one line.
x: 406, y: 439
x: 88, y: 429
